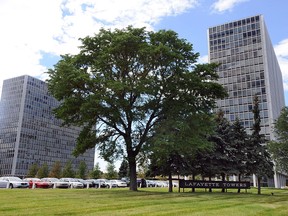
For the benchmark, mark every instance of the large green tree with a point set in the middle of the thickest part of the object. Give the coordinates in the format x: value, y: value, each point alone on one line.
x: 123, y: 83
x: 279, y: 147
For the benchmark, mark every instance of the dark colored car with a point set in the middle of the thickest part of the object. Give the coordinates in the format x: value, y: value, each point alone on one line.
x: 93, y: 183
x: 102, y: 183
x: 141, y: 183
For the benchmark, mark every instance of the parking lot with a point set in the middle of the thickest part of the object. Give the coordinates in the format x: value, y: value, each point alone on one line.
x: 10, y: 182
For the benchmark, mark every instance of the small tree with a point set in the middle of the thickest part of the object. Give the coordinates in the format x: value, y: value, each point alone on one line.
x: 177, y: 140
x: 96, y: 172
x: 279, y: 148
x: 168, y: 165
x: 222, y: 157
x: 43, y: 171
x: 111, y: 172
x: 68, y: 170
x: 56, y: 170
x: 240, y: 142
x: 123, y: 169
x: 82, y: 170
x: 260, y: 162
x: 32, y: 172
x: 203, y: 163
x: 142, y: 168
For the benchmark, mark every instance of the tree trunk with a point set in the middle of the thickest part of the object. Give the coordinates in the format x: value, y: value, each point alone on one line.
x: 170, y: 183
x: 193, y: 178
x: 210, y: 189
x: 259, y: 184
x: 239, y: 179
x: 133, y: 174
x: 223, y: 180
x: 178, y: 183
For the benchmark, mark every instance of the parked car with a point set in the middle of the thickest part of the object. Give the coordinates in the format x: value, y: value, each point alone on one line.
x: 150, y: 183
x: 175, y: 184
x: 84, y: 182
x: 141, y: 183
x: 15, y: 182
x: 3, y: 183
x: 56, y: 183
x: 93, y: 183
x: 103, y: 183
x: 118, y: 183
x: 38, y: 183
x: 111, y: 184
x: 161, y: 183
x: 73, y: 183
x: 127, y: 180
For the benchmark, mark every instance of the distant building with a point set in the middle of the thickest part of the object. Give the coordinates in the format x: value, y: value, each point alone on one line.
x: 29, y: 132
x: 248, y: 67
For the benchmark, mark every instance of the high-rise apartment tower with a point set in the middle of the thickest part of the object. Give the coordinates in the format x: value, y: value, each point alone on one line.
x: 29, y: 132
x: 248, y: 67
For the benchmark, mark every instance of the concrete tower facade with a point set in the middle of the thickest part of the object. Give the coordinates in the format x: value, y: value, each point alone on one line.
x: 248, y: 67
x: 29, y: 132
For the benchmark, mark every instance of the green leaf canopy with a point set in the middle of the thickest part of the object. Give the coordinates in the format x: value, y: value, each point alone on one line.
x: 124, y: 82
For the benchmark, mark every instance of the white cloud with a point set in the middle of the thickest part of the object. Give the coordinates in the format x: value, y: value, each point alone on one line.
x: 32, y: 27
x: 224, y: 5
x: 281, y: 50
x: 27, y: 28
x: 203, y: 59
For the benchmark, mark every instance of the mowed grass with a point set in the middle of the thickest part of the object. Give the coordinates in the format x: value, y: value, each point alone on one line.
x: 146, y: 201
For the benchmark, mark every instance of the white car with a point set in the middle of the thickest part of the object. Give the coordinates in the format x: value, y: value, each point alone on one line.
x: 85, y: 183
x: 3, y: 183
x: 150, y: 183
x: 15, y: 182
x: 102, y: 183
x: 73, y: 183
x: 56, y: 183
x: 161, y: 183
x: 118, y: 183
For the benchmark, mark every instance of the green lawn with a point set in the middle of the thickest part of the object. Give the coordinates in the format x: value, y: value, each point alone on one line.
x: 148, y: 201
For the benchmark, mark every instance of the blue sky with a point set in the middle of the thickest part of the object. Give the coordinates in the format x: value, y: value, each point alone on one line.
x: 194, y: 23
x: 34, y: 33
